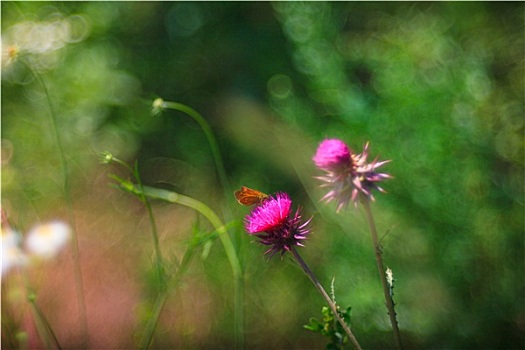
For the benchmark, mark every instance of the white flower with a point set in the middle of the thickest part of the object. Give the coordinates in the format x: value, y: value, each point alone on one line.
x: 46, y: 240
x: 12, y: 255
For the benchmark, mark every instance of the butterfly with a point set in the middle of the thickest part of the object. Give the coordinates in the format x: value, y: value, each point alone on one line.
x: 246, y: 196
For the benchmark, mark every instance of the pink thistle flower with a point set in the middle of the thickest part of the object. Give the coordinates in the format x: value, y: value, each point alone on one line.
x: 272, y: 213
x: 332, y: 154
x: 351, y: 178
x: 275, y: 226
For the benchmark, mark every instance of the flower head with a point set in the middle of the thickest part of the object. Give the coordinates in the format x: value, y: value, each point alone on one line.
x: 158, y: 106
x: 106, y: 157
x: 274, y: 224
x: 46, y: 240
x: 332, y: 154
x: 352, y: 177
x: 271, y: 214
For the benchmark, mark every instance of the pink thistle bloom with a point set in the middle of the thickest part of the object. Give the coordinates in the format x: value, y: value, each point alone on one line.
x: 350, y: 179
x: 272, y: 213
x: 332, y: 154
x: 273, y: 223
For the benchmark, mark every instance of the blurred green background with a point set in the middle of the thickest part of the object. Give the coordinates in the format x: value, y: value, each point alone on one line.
x: 436, y: 87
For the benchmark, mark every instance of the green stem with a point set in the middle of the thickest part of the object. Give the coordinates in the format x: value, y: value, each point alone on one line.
x: 215, y: 151
x: 159, y: 264
x: 43, y: 326
x: 229, y: 248
x: 332, y: 305
x: 81, y: 300
x: 162, y: 297
x: 154, y: 320
x: 239, y: 286
x: 209, y: 135
x: 382, y: 275
x: 158, y: 255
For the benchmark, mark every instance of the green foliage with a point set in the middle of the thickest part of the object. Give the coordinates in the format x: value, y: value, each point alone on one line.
x: 330, y: 328
x: 435, y: 86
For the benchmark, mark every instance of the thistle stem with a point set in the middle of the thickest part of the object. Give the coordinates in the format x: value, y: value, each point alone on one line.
x: 320, y: 288
x: 382, y: 275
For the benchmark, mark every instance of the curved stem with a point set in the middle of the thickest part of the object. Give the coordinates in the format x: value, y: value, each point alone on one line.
x: 229, y: 248
x: 320, y: 288
x: 228, y: 244
x: 81, y: 300
x: 215, y: 151
x: 382, y: 275
x: 209, y: 135
x: 209, y: 214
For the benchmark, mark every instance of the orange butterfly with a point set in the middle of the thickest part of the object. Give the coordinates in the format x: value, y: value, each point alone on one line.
x: 246, y: 196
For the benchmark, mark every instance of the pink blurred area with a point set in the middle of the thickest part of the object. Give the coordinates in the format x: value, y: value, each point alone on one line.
x: 116, y: 252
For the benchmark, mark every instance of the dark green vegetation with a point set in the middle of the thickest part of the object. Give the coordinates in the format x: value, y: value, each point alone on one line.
x: 436, y: 87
